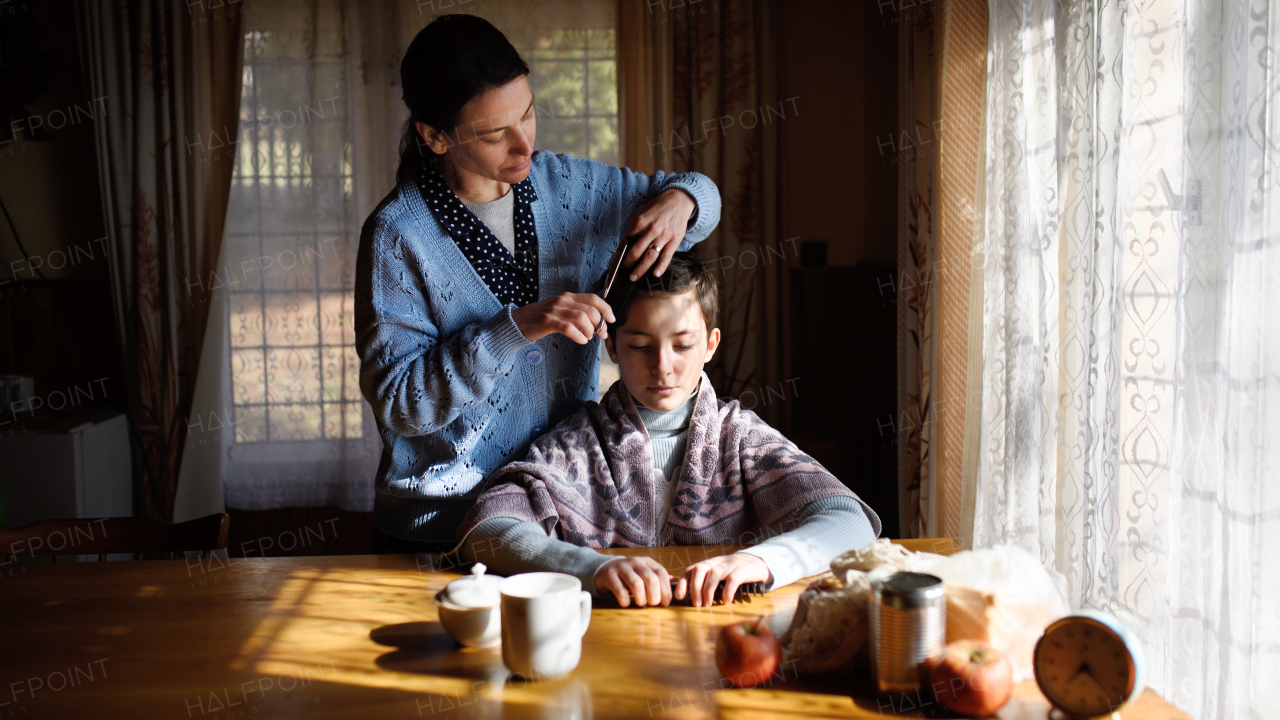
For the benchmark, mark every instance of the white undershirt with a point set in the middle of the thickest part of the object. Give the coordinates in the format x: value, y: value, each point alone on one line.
x: 499, y: 217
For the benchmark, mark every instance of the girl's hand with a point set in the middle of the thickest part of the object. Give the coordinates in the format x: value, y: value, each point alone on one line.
x: 574, y: 315
x: 700, y: 579
x: 659, y: 227
x: 641, y: 579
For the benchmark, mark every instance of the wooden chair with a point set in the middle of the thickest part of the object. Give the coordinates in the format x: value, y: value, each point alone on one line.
x: 103, y: 536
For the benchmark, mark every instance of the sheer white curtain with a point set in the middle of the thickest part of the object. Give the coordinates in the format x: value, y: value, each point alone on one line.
x: 278, y: 417
x: 1132, y: 325
x: 279, y: 420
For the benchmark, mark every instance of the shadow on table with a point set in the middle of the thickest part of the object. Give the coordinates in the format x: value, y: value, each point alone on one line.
x: 424, y: 648
x: 420, y: 636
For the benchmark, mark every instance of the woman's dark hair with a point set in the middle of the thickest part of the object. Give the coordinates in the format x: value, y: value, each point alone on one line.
x: 685, y: 272
x: 450, y: 62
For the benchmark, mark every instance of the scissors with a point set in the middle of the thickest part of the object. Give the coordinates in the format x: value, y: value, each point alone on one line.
x: 613, y: 273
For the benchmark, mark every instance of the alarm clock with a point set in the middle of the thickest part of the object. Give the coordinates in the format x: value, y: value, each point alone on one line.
x: 1090, y: 664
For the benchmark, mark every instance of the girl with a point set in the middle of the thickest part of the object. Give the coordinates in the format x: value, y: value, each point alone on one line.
x: 662, y: 461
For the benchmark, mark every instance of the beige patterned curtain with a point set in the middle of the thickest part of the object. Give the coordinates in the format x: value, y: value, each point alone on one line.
x: 170, y: 73
x: 698, y: 92
x: 942, y: 55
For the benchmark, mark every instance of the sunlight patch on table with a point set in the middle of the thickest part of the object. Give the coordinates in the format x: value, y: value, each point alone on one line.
x: 744, y: 704
x: 324, y: 616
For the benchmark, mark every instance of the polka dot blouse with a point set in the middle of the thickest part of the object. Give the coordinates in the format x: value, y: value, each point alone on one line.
x: 510, y: 279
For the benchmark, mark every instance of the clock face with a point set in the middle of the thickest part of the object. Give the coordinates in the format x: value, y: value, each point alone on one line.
x: 1084, y: 668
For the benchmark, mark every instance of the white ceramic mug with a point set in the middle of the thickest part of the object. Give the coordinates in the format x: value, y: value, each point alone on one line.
x: 544, y: 616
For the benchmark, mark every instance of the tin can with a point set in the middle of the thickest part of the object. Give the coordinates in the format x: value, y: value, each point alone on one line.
x: 908, y: 614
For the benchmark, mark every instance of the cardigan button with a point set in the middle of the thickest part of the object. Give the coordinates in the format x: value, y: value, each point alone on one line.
x: 533, y: 357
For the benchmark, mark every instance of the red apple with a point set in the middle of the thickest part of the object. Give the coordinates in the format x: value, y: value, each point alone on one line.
x: 748, y: 653
x: 972, y: 678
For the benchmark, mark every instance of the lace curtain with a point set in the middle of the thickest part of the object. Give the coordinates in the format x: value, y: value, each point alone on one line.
x: 278, y: 418
x: 1132, y: 325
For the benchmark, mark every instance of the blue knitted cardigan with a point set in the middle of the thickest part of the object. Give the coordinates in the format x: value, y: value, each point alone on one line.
x: 456, y: 388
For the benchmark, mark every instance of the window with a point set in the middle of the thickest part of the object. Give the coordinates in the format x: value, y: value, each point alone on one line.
x: 295, y: 373
x: 575, y: 88
x: 571, y: 50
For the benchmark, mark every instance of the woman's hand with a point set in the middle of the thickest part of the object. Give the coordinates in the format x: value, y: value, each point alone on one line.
x: 700, y: 579
x: 660, y: 227
x: 574, y: 315
x: 642, y: 579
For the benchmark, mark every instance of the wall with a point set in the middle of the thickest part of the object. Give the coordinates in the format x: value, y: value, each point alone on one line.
x: 48, y: 178
x: 61, y: 328
x: 839, y: 62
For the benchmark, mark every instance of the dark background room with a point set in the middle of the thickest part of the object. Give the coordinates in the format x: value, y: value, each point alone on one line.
x: 808, y: 260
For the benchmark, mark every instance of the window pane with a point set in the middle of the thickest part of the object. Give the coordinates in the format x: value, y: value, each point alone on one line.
x: 603, y: 140
x: 600, y: 41
x: 293, y: 422
x: 248, y: 378
x: 602, y: 89
x: 574, y: 75
x: 282, y: 262
x: 291, y: 231
x: 558, y: 43
x: 560, y: 84
x: 251, y: 423
x: 564, y: 133
x: 292, y: 319
x: 329, y: 207
x: 341, y: 373
x: 342, y: 420
x: 293, y: 375
x: 336, y: 321
x: 246, y: 320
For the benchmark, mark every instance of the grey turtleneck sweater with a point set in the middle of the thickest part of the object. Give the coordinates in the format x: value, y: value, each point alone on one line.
x: 798, y: 546
x: 668, y: 436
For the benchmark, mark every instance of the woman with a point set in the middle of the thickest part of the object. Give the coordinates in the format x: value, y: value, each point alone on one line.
x: 474, y: 324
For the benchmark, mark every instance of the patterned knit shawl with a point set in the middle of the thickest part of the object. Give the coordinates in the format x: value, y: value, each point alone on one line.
x: 593, y: 474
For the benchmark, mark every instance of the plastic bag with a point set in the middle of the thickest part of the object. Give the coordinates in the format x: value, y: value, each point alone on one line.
x: 1002, y: 596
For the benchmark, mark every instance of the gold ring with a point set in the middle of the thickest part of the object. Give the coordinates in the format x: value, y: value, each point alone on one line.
x: 655, y: 249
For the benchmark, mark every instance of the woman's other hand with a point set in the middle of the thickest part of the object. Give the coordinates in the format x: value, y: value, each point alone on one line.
x: 574, y: 315
x: 700, y: 579
x: 641, y: 579
x: 658, y: 228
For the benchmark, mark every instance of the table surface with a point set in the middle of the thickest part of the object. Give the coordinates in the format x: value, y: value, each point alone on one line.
x: 357, y: 636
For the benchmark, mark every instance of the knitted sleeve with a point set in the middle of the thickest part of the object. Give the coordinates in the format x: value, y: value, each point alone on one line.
x: 508, y: 546
x: 618, y: 193
x: 804, y: 543
x: 705, y: 195
x: 417, y: 381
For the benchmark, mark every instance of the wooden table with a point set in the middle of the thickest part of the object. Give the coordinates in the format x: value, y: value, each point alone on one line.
x: 357, y: 636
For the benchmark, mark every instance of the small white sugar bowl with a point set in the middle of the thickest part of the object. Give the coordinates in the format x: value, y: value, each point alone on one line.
x: 470, y: 609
